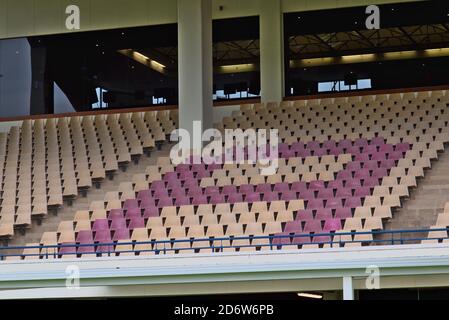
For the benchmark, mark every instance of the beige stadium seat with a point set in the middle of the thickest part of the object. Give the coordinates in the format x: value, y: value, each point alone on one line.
x: 416, y: 171
x: 196, y: 231
x: 344, y: 236
x: 23, y: 219
x: 435, y: 236
x: 259, y: 206
x: 278, y: 206
x: 240, y: 207
x: 172, y: 221
x: 140, y: 235
x: 291, y: 177
x: 124, y: 248
x: 113, y: 204
x: 219, y: 174
x: 265, y: 217
x: 240, y: 180
x: 223, y: 181
x: 392, y: 201
x: 363, y: 238
x: 234, y: 229
x: 55, y: 199
x: 98, y: 214
x: 6, y: 230
x: 220, y: 208
x: 49, y: 237
x: 207, y: 182
x: 295, y: 205
x: 443, y: 220
x: 400, y: 190
x: 373, y: 223
x: 154, y: 222
x: 215, y: 230
x: 257, y: 180
x: 381, y: 191
x: 31, y: 253
x: 207, y: 208
x: 182, y: 244
x: 83, y: 225
x: 354, y: 224
x: 389, y: 181
x: 209, y: 219
x: 191, y: 220
x: 247, y: 217
x: 284, y: 216
x: 177, y: 232
x: 272, y: 228
x: 66, y: 236
x: 169, y: 211
x: 372, y: 201
x: 363, y: 212
x: 309, y: 176
x: 228, y: 218
x: 188, y: 210
x: 409, y: 181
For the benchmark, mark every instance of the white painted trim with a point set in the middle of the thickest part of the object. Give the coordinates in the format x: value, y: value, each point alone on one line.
x: 288, y: 270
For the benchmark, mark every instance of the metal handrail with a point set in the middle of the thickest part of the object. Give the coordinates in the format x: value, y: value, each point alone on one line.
x: 218, y: 243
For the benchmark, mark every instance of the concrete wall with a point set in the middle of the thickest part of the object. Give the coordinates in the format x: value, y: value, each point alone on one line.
x: 20, y: 18
x: 308, y: 5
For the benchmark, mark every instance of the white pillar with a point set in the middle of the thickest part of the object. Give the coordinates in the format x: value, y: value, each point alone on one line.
x: 271, y: 51
x: 348, y: 289
x: 195, y: 63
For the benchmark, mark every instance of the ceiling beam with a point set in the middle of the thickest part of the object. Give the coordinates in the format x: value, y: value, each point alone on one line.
x: 361, y: 35
x: 407, y: 35
x: 326, y: 44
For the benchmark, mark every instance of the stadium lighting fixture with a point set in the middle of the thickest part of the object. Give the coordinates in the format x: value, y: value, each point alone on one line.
x: 370, y: 57
x: 236, y: 68
x: 143, y: 59
x: 310, y: 295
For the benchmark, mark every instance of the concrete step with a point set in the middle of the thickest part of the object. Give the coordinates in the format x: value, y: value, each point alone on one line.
x: 421, y: 209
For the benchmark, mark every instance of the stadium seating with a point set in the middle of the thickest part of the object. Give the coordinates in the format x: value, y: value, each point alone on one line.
x: 344, y: 165
x: 437, y: 234
x: 46, y: 161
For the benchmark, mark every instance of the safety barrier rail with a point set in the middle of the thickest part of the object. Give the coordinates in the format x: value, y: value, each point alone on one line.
x: 219, y: 244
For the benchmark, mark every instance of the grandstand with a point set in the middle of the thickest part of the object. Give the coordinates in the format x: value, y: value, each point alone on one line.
x: 360, y: 194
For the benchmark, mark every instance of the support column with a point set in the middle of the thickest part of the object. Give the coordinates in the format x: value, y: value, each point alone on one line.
x: 348, y: 288
x: 271, y: 51
x: 195, y: 63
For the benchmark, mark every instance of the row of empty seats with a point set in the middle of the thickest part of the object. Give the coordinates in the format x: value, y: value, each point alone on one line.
x: 46, y: 160
x: 344, y: 165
